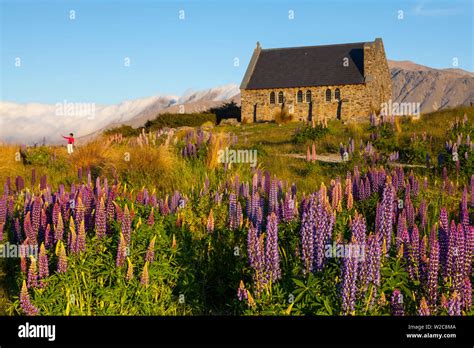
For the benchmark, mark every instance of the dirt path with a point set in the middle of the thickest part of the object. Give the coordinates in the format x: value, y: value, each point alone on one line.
x: 336, y: 158
x: 329, y: 158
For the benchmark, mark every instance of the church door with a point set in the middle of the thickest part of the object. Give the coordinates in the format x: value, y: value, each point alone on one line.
x: 255, y: 113
x: 310, y: 111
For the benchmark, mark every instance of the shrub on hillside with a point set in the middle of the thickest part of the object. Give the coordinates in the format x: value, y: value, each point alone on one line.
x: 228, y: 110
x: 126, y: 131
x: 310, y: 133
x: 179, y: 120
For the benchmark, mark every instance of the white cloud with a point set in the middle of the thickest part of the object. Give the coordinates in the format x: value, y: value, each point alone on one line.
x: 422, y: 10
x: 30, y: 123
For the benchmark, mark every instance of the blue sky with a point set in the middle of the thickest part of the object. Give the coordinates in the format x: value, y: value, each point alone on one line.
x: 83, y: 59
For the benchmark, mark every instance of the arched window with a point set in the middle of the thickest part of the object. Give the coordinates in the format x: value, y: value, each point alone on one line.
x: 328, y: 95
x: 280, y: 97
x: 337, y: 94
x: 272, y: 97
x: 299, y: 97
x: 308, y: 96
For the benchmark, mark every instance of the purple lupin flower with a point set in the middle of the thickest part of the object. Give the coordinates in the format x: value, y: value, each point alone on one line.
x: 110, y: 208
x: 79, y: 212
x: 36, y: 215
x: 306, y: 233
x: 324, y: 223
x: 272, y: 256
x: 242, y: 293
x: 55, y: 213
x: 239, y: 216
x: 359, y: 229
x: 386, y: 207
x: 288, y: 208
x: 59, y: 229
x: 469, y: 239
x: 433, y: 268
x: 410, y: 210
x: 25, y: 302
x: 460, y: 260
x: 126, y: 225
x: 100, y: 219
x: 273, y: 197
x: 121, y: 251
x: 252, y: 236
x: 62, y: 258
x: 19, y: 183
x: 443, y: 232
x: 32, y: 280
x: 349, y: 280
x: 397, y: 303
x: 414, y: 253
x: 401, y: 228
x: 467, y: 294
x: 422, y: 214
x: 17, y: 227
x: 453, y: 252
x: 424, y: 310
x: 150, y: 253
x: 233, y: 211
x: 454, y: 304
x: 370, y: 272
x: 151, y: 218
x: 256, y: 252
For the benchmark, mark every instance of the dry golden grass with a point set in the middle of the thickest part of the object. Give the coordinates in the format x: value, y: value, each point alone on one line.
x: 217, y: 143
x: 96, y: 154
x: 10, y: 162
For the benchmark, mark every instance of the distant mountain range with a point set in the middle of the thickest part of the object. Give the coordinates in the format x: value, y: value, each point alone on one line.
x: 433, y: 88
x: 31, y: 123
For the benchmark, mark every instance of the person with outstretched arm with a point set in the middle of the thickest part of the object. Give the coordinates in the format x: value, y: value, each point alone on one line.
x: 70, y: 143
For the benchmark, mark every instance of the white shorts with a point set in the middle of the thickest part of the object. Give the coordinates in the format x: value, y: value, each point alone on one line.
x: 70, y: 148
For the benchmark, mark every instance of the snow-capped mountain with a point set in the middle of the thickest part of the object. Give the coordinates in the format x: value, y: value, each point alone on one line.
x: 32, y: 123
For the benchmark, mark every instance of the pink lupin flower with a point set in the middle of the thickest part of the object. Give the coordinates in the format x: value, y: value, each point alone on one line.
x: 121, y: 251
x: 100, y: 219
x: 145, y: 277
x: 25, y: 302
x: 59, y: 229
x: 129, y: 275
x: 151, y: 218
x: 43, y: 263
x: 150, y: 253
x: 81, y: 238
x: 62, y: 258
x: 210, y: 222
x: 126, y: 225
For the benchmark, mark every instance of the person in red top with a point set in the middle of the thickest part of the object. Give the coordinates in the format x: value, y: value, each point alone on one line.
x: 70, y: 143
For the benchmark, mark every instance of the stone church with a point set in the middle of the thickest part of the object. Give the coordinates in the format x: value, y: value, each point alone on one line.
x: 343, y: 81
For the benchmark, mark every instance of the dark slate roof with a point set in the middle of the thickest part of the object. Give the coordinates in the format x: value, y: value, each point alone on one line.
x: 308, y: 66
